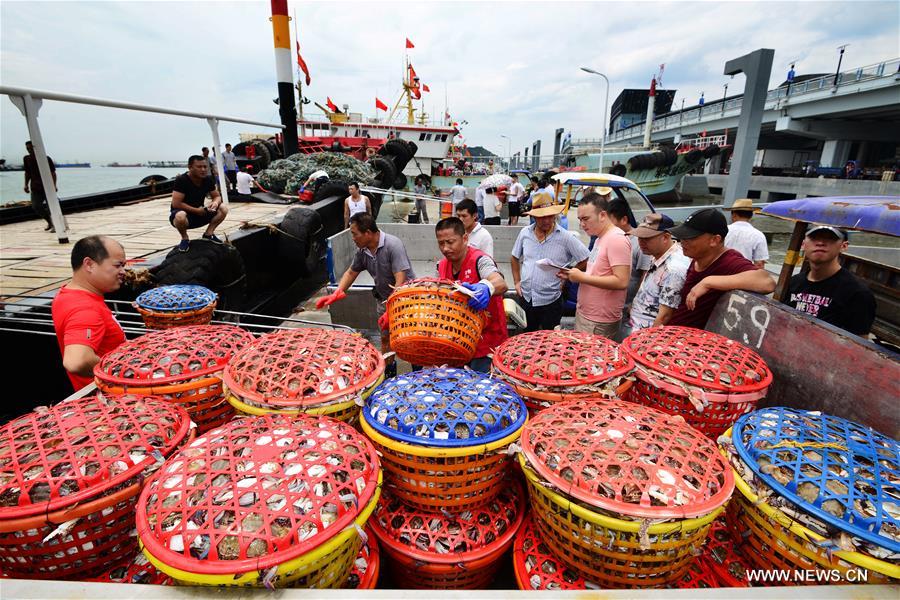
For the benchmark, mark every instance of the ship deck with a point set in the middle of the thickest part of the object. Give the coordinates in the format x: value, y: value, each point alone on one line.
x: 33, y: 262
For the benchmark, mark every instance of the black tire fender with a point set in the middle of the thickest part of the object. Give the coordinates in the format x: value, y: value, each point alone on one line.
x: 302, y: 241
x: 334, y: 187
x: 400, y: 182
x: 385, y: 169
x: 619, y: 170
x: 218, y: 267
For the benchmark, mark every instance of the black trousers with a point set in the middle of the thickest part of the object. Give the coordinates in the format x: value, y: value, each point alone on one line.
x: 542, y: 317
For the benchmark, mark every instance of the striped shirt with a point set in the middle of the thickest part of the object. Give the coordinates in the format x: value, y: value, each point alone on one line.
x: 540, y: 286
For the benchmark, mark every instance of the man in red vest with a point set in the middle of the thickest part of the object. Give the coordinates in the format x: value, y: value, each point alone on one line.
x: 479, y: 273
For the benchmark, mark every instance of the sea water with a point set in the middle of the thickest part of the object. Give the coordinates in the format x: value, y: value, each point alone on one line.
x: 78, y: 181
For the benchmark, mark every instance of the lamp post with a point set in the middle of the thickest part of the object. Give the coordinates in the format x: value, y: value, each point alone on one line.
x: 508, y: 152
x: 605, y: 103
x: 724, y: 95
x: 837, y: 73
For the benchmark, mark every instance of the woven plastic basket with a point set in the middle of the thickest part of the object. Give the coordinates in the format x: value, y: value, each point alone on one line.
x: 443, y: 436
x: 432, y: 324
x: 706, y: 378
x: 183, y: 365
x: 367, y: 567
x: 136, y: 569
x: 828, y: 489
x: 622, y: 493
x: 546, y: 367
x: 723, y: 554
x: 285, y: 501
x: 459, y: 550
x: 69, y: 481
x: 176, y: 305
x: 314, y: 371
x: 535, y: 567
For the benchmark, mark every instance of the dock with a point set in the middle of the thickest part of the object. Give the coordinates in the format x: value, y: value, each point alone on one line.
x: 33, y: 262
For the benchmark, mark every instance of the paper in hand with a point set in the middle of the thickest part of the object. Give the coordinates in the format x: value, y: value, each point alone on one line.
x: 549, y: 265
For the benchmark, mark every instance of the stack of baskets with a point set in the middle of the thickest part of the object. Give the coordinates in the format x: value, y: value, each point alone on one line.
x: 432, y: 324
x: 273, y: 500
x: 624, y: 495
x: 546, y: 367
x: 175, y: 305
x: 69, y: 481
x: 314, y: 371
x: 706, y: 378
x: 444, y: 436
x: 136, y: 569
x: 816, y: 492
x: 182, y: 365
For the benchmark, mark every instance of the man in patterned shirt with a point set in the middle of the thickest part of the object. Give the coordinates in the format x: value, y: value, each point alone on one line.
x: 660, y: 291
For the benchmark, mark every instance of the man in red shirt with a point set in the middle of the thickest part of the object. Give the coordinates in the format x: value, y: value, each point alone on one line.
x: 85, y: 327
x: 714, y: 269
x: 478, y: 272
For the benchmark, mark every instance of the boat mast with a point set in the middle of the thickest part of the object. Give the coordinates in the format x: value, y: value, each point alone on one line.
x: 282, y: 40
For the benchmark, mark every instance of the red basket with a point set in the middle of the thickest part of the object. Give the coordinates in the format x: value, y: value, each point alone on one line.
x: 536, y: 568
x: 69, y: 481
x: 546, y: 367
x: 367, y: 566
x: 707, y: 378
x: 136, y: 569
x: 460, y: 550
x: 304, y: 369
x: 699, y: 574
x: 182, y: 365
x: 281, y: 497
x: 432, y: 324
x: 723, y: 554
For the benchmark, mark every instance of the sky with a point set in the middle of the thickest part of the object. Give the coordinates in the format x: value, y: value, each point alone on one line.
x: 508, y: 68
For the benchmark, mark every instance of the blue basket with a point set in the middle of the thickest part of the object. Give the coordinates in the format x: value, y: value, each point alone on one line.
x: 445, y: 407
x: 850, y: 464
x: 176, y: 298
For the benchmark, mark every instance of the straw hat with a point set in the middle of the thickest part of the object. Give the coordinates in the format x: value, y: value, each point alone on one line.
x: 544, y: 205
x: 603, y: 190
x: 743, y: 204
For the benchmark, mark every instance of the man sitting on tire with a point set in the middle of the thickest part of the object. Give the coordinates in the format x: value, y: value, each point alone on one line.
x: 188, y: 203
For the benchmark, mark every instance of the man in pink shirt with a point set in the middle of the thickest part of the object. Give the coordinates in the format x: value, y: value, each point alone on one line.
x: 603, y: 285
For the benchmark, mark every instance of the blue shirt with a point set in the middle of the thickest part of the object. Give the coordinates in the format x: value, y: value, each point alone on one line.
x: 540, y: 286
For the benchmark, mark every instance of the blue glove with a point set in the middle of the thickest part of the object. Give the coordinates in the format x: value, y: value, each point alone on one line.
x: 482, y: 296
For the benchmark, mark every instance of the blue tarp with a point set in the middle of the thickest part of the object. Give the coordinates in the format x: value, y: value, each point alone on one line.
x: 876, y: 214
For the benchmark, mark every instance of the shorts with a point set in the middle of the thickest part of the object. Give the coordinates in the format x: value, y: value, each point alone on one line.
x: 514, y: 210
x: 194, y: 221
x: 607, y: 330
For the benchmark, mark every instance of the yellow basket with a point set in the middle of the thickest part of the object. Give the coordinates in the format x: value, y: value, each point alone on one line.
x: 607, y: 550
x: 342, y: 411
x: 435, y: 479
x: 777, y: 541
x: 328, y: 566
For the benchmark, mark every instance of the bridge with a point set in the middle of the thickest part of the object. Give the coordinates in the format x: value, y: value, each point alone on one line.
x: 817, y: 119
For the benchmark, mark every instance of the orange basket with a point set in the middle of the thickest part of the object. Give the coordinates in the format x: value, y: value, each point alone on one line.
x: 71, y: 479
x: 432, y: 325
x: 182, y: 365
x: 176, y: 305
x: 454, y: 550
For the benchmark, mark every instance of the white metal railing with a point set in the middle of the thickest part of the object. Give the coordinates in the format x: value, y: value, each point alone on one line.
x: 29, y: 101
x: 887, y: 71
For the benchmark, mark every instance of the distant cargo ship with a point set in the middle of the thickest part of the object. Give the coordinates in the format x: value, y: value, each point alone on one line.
x: 115, y: 164
x: 74, y: 165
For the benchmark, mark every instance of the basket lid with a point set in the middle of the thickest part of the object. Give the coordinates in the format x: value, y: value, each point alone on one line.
x: 627, y: 458
x: 449, y: 538
x: 445, y: 407
x: 537, y: 568
x: 58, y: 456
x: 561, y: 358
x: 302, y: 367
x: 176, y: 298
x: 172, y: 355
x: 701, y: 358
x: 834, y: 469
x: 257, y: 492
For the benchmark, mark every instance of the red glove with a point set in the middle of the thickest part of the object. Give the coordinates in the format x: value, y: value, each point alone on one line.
x: 329, y: 300
x: 384, y: 322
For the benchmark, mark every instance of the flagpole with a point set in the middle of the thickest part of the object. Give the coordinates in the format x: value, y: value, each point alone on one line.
x: 299, y: 84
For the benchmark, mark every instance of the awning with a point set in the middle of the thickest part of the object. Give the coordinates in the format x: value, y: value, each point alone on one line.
x: 875, y: 214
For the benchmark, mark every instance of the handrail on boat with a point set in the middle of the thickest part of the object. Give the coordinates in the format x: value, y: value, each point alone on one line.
x: 28, y: 101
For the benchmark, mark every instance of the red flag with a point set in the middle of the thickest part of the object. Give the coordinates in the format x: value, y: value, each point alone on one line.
x: 414, y: 83
x: 331, y: 105
x: 379, y: 105
x: 425, y: 87
x: 409, y: 44
x: 302, y: 64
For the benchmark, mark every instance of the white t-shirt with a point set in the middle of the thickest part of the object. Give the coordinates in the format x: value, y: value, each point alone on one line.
x: 457, y: 194
x: 491, y: 201
x: 479, y: 197
x: 748, y: 240
x: 229, y: 161
x: 481, y: 238
x: 244, y: 182
x: 358, y: 206
x: 516, y: 191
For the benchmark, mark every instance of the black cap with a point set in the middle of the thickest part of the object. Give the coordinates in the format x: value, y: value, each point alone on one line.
x: 705, y: 220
